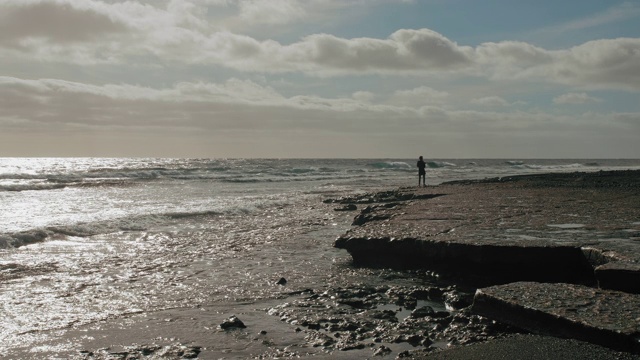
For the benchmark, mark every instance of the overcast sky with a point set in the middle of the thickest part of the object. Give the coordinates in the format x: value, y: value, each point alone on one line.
x: 320, y: 78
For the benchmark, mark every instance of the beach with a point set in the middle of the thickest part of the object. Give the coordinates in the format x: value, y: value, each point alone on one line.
x: 329, y: 273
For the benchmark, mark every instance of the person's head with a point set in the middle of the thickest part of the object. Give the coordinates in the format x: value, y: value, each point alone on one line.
x: 420, y: 157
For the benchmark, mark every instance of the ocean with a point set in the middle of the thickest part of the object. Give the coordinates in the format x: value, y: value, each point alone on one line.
x: 84, y: 241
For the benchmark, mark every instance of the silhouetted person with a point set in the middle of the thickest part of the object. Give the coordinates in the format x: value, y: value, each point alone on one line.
x: 421, y: 172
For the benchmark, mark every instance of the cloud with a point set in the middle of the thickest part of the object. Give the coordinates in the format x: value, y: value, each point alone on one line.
x: 609, y: 63
x: 189, y: 104
x: 92, y: 32
x: 491, y: 101
x: 363, y: 96
x: 58, y: 22
x: 600, y: 63
x: 405, y: 51
x: 615, y: 14
x: 255, y: 15
x: 179, y: 33
x: 234, y: 103
x: 96, y: 32
x: 417, y: 97
x: 575, y: 98
x: 271, y: 12
x: 203, y: 113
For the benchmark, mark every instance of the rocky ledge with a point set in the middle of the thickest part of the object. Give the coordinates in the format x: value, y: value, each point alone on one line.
x: 561, y: 239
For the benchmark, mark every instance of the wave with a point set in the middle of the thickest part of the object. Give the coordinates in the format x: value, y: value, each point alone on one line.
x: 56, y: 184
x: 115, y: 173
x: 300, y: 170
x: 540, y: 167
x: 439, y: 164
x: 142, y: 222
x: 134, y: 223
x: 23, y: 238
x: 514, y: 163
x: 28, y: 187
x: 109, y: 177
x: 391, y: 165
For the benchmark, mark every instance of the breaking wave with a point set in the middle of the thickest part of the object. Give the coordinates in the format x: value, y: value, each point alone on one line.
x: 55, y: 184
x: 126, y: 224
x: 439, y: 164
x: 551, y: 167
x: 391, y: 165
x: 135, y: 223
x: 514, y: 163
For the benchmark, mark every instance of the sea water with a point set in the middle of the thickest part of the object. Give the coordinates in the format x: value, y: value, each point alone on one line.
x: 83, y: 240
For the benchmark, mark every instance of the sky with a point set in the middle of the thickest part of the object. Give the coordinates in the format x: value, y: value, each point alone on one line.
x: 320, y: 78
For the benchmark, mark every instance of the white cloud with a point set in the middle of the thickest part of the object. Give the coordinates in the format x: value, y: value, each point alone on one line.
x: 611, y: 63
x: 94, y: 32
x: 179, y: 33
x: 575, y: 98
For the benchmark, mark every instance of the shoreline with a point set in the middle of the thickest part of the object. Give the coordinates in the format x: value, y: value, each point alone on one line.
x: 330, y: 307
x: 574, y: 237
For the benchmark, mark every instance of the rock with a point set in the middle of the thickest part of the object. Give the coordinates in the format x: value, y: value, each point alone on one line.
x: 282, y: 281
x: 498, y: 229
x: 501, y: 262
x: 173, y: 351
x: 355, y: 303
x: 457, y: 300
x: 344, y: 326
x: 232, y: 323
x: 370, y: 213
x: 605, y: 317
x: 422, y: 312
x: 407, y: 301
x: 619, y: 275
x: 348, y: 344
x: 317, y: 339
x: 429, y: 293
x: 525, y: 347
x: 380, y: 197
x: 381, y: 351
x: 388, y: 315
x: 348, y: 207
